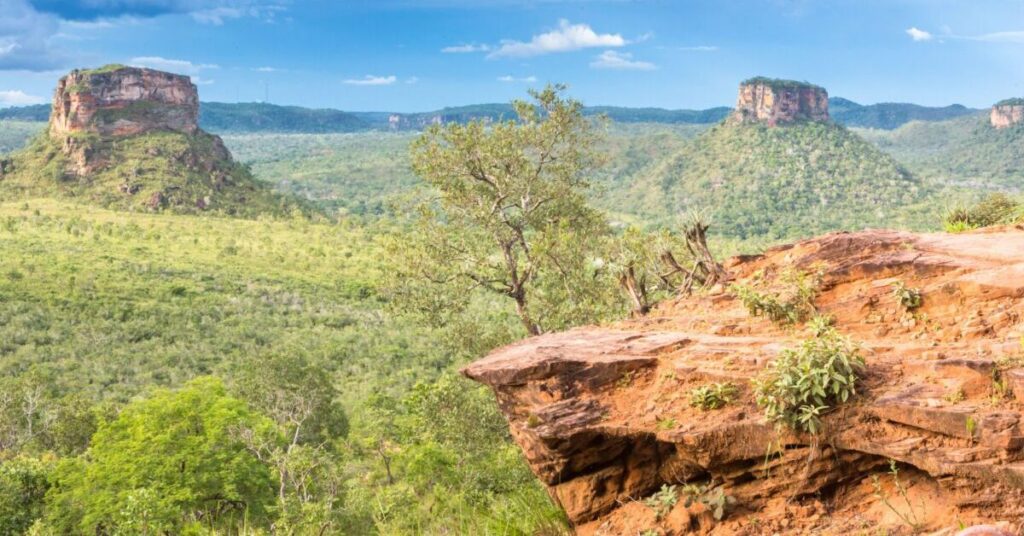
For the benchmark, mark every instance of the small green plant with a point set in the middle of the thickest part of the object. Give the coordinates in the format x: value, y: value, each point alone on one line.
x: 666, y: 424
x: 716, y: 501
x: 910, y: 516
x: 650, y: 532
x: 788, y: 300
x: 955, y: 397
x: 533, y: 421
x: 995, y: 209
x: 625, y: 380
x: 713, y: 395
x: 909, y: 298
x: 803, y: 383
x: 1000, y: 387
x: 972, y: 426
x: 663, y: 501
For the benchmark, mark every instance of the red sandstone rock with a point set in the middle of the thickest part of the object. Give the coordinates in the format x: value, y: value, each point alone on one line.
x: 776, y: 102
x: 124, y: 101
x: 588, y: 406
x: 1006, y: 115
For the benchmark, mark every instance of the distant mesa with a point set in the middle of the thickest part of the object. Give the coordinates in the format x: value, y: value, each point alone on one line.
x: 124, y: 101
x: 777, y: 102
x: 1007, y: 113
x: 129, y: 138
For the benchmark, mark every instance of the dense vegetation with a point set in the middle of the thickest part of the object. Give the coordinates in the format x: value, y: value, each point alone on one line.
x: 890, y: 115
x: 152, y: 171
x: 99, y: 308
x: 263, y: 117
x: 965, y: 151
x: 781, y: 182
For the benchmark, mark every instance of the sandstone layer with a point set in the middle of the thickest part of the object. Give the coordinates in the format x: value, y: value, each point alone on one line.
x: 778, y: 102
x: 604, y: 418
x: 1007, y: 113
x: 124, y: 101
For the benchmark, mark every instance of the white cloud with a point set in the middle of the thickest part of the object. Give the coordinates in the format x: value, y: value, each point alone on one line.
x: 266, y: 70
x: 412, y: 80
x: 1000, y: 37
x: 510, y: 79
x: 700, y: 48
x: 566, y: 38
x: 610, y: 59
x: 918, y: 34
x: 370, y: 80
x: 16, y: 97
x: 465, y: 49
x: 170, y: 65
x: 199, y: 81
x: 26, y: 38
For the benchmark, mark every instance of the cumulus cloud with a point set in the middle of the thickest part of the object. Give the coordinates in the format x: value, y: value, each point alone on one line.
x: 510, y: 79
x: 15, y: 97
x: 566, y: 38
x: 466, y: 49
x: 174, y: 66
x: 371, y: 80
x: 610, y: 59
x: 918, y: 35
x: 25, y: 38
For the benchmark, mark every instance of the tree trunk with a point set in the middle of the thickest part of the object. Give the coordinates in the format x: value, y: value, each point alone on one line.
x: 524, y: 316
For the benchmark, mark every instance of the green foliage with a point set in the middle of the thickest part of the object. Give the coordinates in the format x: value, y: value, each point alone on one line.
x: 108, y: 68
x: 779, y: 83
x: 147, y: 172
x: 713, y: 395
x: 994, y: 209
x: 761, y: 181
x: 1014, y: 101
x: 908, y: 298
x: 509, y: 219
x: 15, y: 134
x: 662, y: 501
x: 908, y: 516
x: 164, y: 463
x: 890, y: 115
x: 803, y: 383
x: 24, y: 482
x: 268, y: 118
x: 715, y: 500
x: 788, y: 299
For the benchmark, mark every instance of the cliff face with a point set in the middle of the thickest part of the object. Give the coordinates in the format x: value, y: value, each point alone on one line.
x: 128, y: 138
x: 124, y: 101
x: 604, y: 417
x: 776, y: 102
x: 1007, y: 113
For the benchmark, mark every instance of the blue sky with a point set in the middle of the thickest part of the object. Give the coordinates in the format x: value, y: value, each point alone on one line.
x: 409, y: 55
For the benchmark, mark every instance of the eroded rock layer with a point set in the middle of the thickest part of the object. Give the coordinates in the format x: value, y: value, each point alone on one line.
x: 777, y: 102
x: 124, y: 101
x: 604, y: 418
x: 1007, y: 113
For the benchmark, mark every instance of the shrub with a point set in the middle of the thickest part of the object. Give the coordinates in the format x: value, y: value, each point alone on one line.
x: 789, y: 300
x: 662, y: 501
x: 803, y: 383
x: 995, y: 209
x: 909, y: 298
x: 712, y: 395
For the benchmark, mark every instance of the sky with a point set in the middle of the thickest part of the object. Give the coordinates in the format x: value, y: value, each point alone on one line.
x: 420, y: 55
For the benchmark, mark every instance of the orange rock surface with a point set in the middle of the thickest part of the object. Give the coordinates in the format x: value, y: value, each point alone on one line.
x: 603, y: 414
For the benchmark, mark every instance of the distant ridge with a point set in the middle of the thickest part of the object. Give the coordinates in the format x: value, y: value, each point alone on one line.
x: 264, y: 117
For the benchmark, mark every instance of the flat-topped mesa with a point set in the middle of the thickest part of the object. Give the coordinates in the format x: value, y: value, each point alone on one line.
x: 1007, y: 113
x: 775, y: 102
x: 116, y: 100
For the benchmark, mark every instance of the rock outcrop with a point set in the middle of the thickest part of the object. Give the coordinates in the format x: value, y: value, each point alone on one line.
x: 1007, y: 113
x: 128, y: 138
x: 778, y: 102
x: 604, y: 418
x: 124, y: 101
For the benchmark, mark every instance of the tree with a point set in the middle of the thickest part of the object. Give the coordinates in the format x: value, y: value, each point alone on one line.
x: 508, y: 217
x: 165, y: 463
